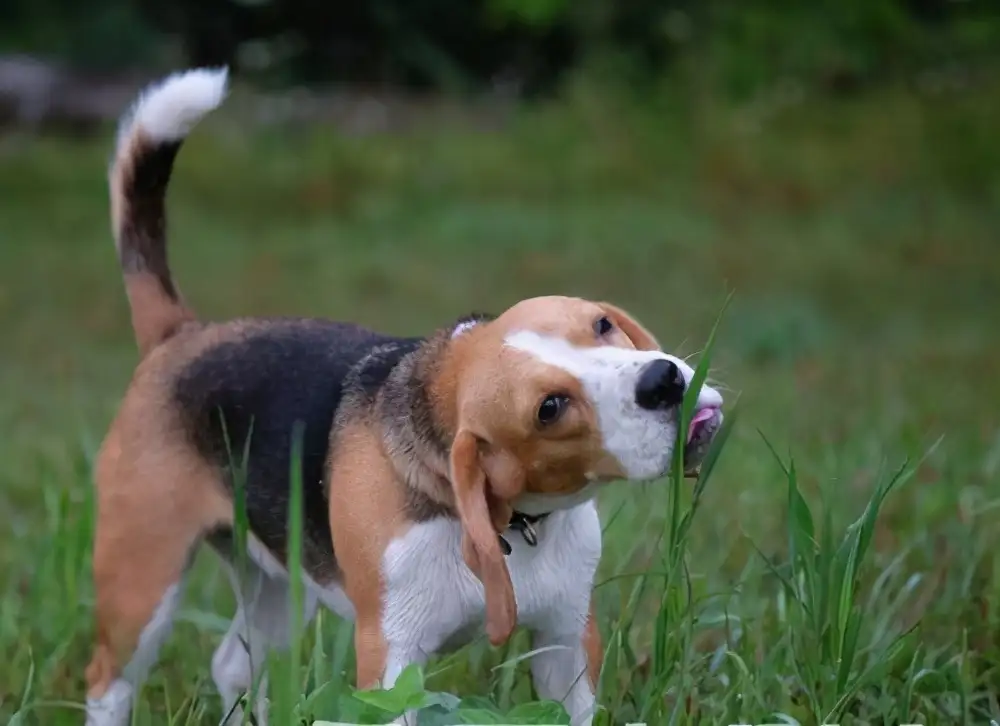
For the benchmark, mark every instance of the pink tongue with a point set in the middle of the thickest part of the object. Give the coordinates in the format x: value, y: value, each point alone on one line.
x: 703, y: 415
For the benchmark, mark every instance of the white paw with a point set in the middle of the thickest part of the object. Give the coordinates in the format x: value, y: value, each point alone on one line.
x: 113, y: 708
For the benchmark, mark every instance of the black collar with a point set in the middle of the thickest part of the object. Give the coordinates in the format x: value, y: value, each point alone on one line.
x: 525, y: 524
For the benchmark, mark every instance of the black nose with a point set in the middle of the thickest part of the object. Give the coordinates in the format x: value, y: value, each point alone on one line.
x: 660, y: 386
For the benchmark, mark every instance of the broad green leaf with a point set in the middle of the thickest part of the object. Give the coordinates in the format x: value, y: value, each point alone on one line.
x: 539, y: 712
x: 435, y: 699
x: 387, y: 700
x: 479, y: 716
x: 410, y: 681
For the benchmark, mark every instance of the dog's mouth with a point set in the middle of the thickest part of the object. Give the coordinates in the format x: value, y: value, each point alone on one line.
x: 704, y: 425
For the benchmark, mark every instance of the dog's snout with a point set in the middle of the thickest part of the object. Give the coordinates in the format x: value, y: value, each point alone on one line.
x: 661, y: 385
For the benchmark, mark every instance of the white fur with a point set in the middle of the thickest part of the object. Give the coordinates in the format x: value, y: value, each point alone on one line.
x: 463, y: 327
x: 260, y: 625
x: 331, y: 595
x: 434, y: 603
x: 153, y: 636
x: 169, y: 109
x: 114, y: 707
x: 642, y: 441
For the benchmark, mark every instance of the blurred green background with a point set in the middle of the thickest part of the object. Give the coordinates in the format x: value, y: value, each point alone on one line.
x: 744, y: 45
x: 833, y: 165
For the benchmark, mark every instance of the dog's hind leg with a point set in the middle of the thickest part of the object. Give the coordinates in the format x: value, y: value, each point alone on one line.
x: 152, y: 510
x: 261, y: 624
x: 138, y: 578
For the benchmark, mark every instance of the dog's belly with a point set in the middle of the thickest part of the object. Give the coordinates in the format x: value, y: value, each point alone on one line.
x: 330, y: 594
x: 434, y: 603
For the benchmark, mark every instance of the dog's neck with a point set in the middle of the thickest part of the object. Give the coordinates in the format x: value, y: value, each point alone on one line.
x: 418, y: 408
x: 419, y: 405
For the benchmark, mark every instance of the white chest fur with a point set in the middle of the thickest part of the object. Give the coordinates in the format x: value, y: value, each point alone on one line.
x: 433, y: 600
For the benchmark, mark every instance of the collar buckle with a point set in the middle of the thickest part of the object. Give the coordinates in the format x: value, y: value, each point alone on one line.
x: 525, y: 524
x: 528, y: 532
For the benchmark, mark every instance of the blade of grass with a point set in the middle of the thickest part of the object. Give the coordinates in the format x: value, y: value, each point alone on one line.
x: 683, y: 421
x: 296, y: 585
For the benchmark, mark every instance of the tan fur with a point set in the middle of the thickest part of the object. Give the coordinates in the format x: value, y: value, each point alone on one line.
x: 157, y: 497
x: 595, y: 650
x: 640, y: 338
x: 486, y: 396
x: 153, y: 505
x: 367, y: 510
x: 497, y: 398
x: 573, y: 319
x: 483, y: 514
x: 155, y: 318
x: 157, y: 308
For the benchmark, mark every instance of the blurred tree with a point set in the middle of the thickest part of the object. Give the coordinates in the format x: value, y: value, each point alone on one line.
x: 530, y: 44
x: 101, y: 35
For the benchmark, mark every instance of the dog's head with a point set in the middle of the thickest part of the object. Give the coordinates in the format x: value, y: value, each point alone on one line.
x: 553, y: 398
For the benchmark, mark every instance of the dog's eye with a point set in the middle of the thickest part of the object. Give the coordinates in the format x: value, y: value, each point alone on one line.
x: 551, y: 409
x: 603, y: 326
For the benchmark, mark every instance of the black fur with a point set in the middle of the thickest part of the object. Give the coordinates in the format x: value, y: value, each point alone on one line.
x: 282, y: 374
x: 143, y: 234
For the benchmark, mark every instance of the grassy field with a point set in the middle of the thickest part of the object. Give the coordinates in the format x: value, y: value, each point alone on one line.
x: 861, y: 242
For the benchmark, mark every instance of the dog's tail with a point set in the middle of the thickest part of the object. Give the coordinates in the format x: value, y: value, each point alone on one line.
x: 149, y: 137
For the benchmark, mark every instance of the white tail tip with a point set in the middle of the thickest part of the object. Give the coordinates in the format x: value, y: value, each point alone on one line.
x: 168, y: 109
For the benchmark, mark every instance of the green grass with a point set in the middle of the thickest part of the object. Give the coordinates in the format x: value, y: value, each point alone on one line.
x: 860, y: 241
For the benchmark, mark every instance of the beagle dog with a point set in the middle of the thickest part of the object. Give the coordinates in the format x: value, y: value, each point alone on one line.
x: 448, y: 481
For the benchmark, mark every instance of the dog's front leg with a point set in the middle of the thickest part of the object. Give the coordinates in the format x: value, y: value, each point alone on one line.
x: 560, y: 674
x: 381, y: 660
x: 421, y: 603
x: 568, y: 663
x: 399, y: 657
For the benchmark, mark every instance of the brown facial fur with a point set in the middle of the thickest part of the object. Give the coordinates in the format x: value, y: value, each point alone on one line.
x: 487, y: 396
x: 472, y: 382
x: 498, y: 391
x: 640, y: 338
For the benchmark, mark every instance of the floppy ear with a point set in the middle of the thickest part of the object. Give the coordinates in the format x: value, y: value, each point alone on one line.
x: 641, y: 338
x: 483, y: 517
